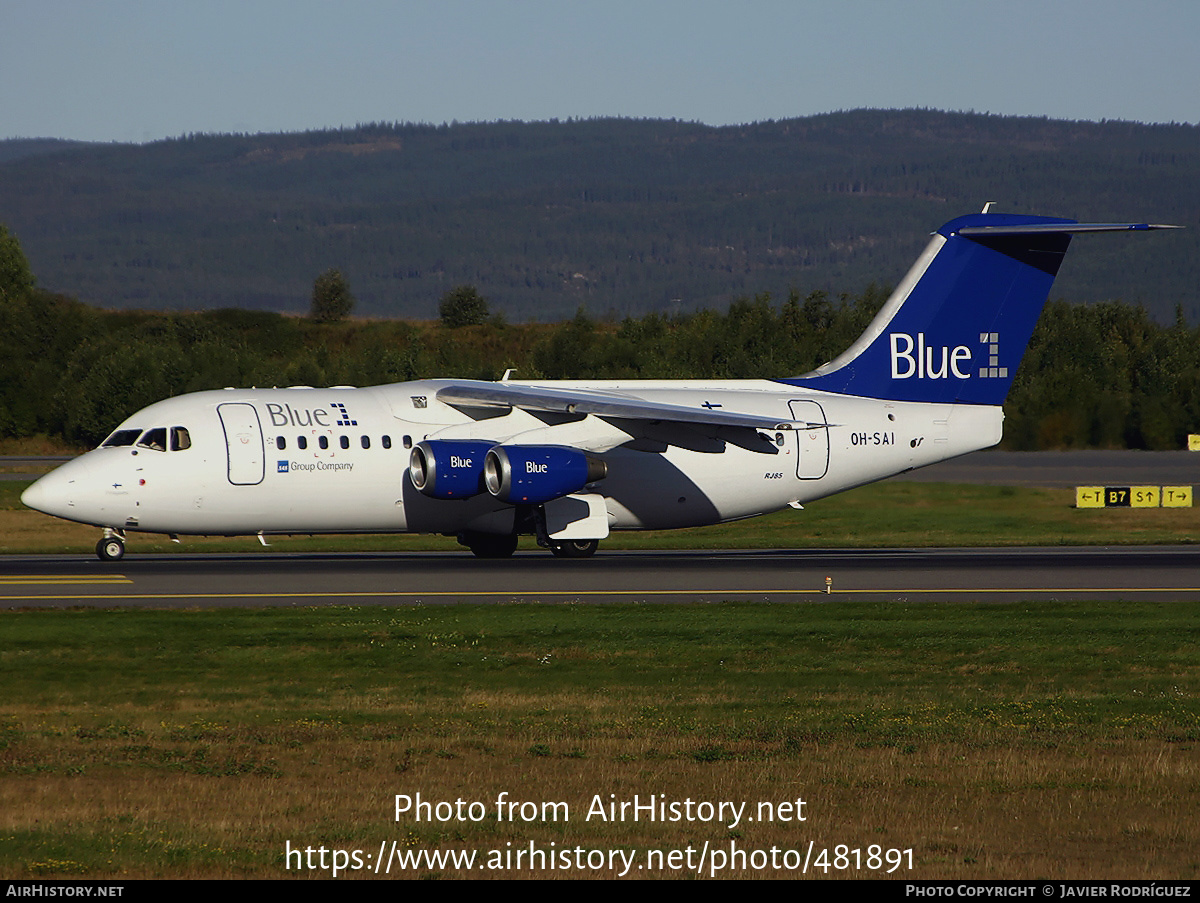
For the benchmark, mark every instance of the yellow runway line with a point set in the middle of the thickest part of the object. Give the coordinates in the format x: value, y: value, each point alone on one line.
x: 518, y: 594
x: 53, y: 579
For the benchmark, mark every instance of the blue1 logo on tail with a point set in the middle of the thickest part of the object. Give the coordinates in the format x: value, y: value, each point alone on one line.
x: 911, y: 359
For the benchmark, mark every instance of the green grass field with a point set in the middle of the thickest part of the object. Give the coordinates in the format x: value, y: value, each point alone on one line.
x: 1016, y: 740
x: 891, y: 515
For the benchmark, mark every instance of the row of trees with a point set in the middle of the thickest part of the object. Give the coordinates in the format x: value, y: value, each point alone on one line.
x: 332, y: 302
x: 1103, y: 375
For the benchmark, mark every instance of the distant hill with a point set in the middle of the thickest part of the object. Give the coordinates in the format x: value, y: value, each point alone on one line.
x: 18, y: 148
x: 622, y: 216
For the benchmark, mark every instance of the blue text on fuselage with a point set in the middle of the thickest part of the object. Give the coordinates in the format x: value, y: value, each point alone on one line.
x: 286, y: 415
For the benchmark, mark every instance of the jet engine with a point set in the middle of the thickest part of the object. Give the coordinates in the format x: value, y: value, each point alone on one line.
x: 448, y: 468
x: 533, y: 474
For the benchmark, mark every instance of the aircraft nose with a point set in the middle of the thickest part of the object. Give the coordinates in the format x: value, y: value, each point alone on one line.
x: 52, y: 494
x: 39, y: 495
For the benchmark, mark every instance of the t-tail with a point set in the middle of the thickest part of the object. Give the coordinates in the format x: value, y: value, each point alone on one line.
x: 957, y: 325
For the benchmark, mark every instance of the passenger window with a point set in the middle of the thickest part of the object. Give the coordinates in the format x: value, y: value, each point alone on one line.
x: 387, y: 441
x: 344, y: 442
x: 366, y: 441
x: 408, y: 441
x: 323, y: 441
x: 301, y: 443
x: 181, y: 439
x: 281, y: 443
x: 121, y: 438
x: 155, y: 439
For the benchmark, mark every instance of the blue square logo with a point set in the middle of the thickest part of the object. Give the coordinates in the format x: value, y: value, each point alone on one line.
x: 281, y: 467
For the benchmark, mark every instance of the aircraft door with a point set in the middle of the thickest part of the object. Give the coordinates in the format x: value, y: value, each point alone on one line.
x: 243, y: 443
x: 812, y: 445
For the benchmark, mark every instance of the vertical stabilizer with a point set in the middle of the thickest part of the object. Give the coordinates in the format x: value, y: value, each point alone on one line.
x: 957, y: 326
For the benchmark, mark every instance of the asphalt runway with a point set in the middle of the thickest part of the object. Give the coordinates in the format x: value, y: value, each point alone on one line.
x: 276, y: 579
x: 951, y: 575
x: 1064, y: 469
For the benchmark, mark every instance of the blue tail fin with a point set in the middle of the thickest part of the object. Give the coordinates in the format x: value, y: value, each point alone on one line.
x: 957, y: 326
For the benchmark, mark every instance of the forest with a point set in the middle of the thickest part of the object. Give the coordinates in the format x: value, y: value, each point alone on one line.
x: 1101, y: 375
x: 624, y: 217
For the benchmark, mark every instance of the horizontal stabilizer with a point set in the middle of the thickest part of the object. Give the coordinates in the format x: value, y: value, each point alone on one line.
x: 1069, y: 228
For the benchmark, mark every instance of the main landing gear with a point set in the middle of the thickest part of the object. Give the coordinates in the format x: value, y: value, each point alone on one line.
x: 489, y: 545
x: 111, y: 546
x: 496, y: 545
x: 575, y: 548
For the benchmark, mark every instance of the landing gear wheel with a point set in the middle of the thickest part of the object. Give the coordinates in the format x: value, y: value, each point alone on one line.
x: 490, y: 545
x: 575, y: 548
x: 110, y: 548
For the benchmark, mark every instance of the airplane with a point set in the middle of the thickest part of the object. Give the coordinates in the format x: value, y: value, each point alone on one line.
x: 569, y: 462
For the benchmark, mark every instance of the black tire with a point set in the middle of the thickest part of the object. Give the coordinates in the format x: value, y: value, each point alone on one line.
x: 575, y: 548
x: 491, y: 545
x: 110, y: 548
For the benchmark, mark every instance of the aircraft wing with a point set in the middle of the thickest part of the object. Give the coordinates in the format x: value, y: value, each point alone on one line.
x: 473, y: 393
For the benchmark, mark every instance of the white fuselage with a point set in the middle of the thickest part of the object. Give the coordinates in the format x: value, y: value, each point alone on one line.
x: 336, y: 460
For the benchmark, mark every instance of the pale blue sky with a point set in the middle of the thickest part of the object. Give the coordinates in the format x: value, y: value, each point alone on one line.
x: 138, y: 70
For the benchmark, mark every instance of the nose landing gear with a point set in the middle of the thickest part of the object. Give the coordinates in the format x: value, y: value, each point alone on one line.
x: 111, y: 546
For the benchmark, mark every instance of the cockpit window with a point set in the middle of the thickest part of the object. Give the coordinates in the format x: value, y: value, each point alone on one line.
x: 180, y: 438
x: 121, y: 438
x: 155, y: 439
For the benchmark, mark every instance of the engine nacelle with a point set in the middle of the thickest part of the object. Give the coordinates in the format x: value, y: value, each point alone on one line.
x: 533, y: 474
x: 448, y: 468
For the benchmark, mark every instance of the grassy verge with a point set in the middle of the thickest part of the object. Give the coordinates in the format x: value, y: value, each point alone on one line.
x: 1013, y: 740
x: 891, y: 515
x: 39, y: 445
